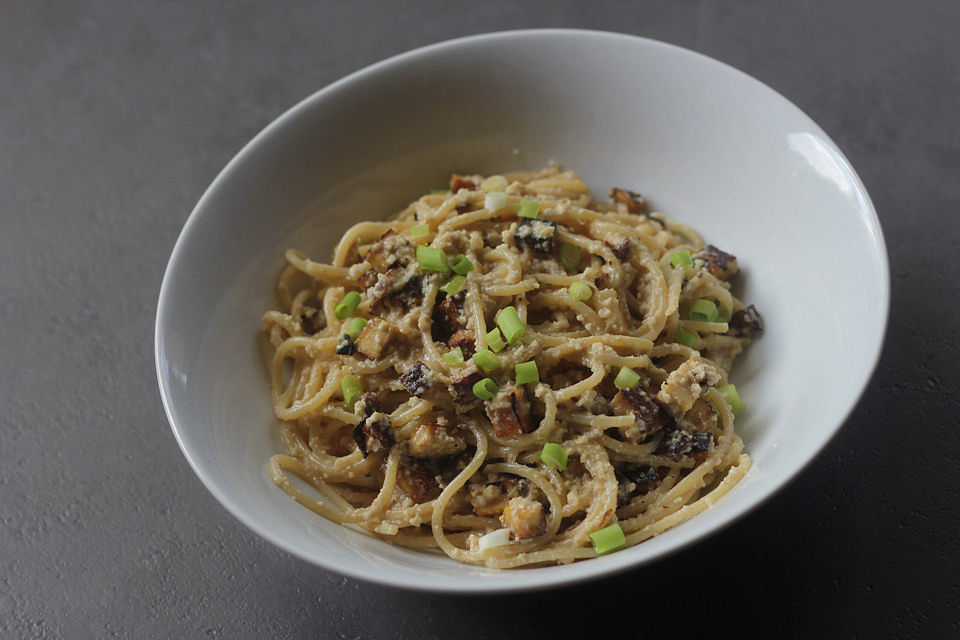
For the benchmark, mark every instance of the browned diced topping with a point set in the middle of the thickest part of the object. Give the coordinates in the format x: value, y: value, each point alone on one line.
x: 374, y: 338
x: 746, y: 323
x: 679, y: 443
x: 509, y: 412
x: 399, y: 285
x: 345, y: 345
x: 702, y: 416
x: 461, y: 385
x: 373, y: 433
x: 417, y: 480
x: 538, y: 234
x: 634, y: 201
x: 490, y: 499
x: 435, y: 440
x: 463, y: 208
x: 366, y: 405
x: 448, y: 316
x: 685, y: 384
x: 417, y: 379
x: 633, y: 479
x: 368, y: 278
x: 621, y: 248
x: 525, y: 518
x: 391, y: 251
x: 650, y: 416
x: 458, y: 182
x: 464, y: 340
x: 312, y: 320
x: 717, y: 262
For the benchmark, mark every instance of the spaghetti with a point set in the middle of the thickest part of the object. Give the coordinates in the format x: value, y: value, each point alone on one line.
x: 511, y: 373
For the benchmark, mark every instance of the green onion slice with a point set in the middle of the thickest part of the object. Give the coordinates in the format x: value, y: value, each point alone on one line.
x: 608, y: 539
x: 419, y: 231
x: 509, y: 322
x: 487, y: 360
x: 347, y: 306
x: 454, y: 285
x: 570, y: 256
x: 703, y: 310
x: 350, y: 386
x: 626, y: 379
x: 723, y: 314
x: 494, y: 183
x: 528, y: 208
x: 355, y: 326
x: 461, y: 264
x: 495, y: 340
x: 580, y: 290
x: 554, y: 456
x: 527, y: 372
x: 432, y: 259
x: 454, y: 357
x: 485, y: 389
x: 731, y: 397
x: 681, y: 259
x: 686, y: 338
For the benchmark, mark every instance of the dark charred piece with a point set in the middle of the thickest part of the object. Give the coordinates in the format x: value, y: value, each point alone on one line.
x: 634, y: 201
x: 312, y: 320
x: 448, y: 316
x: 621, y: 249
x: 463, y: 208
x: 368, y: 278
x: 745, y: 323
x: 463, y: 339
x: 633, y: 479
x: 399, y: 286
x: 509, y: 412
x: 418, y: 480
x: 461, y: 385
x: 538, y: 234
x: 649, y: 416
x: 458, y: 182
x: 679, y: 443
x: 374, y: 432
x: 719, y: 263
x: 345, y: 345
x: 416, y: 380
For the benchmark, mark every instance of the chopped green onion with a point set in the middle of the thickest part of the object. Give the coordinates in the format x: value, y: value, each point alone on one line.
x: 454, y: 285
x: 495, y: 340
x: 732, y: 398
x: 686, y: 338
x: 495, y: 200
x: 703, y: 311
x: 511, y: 325
x: 432, y: 259
x: 607, y: 539
x: 350, y: 386
x: 454, y: 357
x: 355, y: 326
x: 580, y: 290
x: 486, y: 360
x: 461, y: 264
x: 528, y: 208
x: 485, y: 389
x: 681, y: 259
x: 554, y: 456
x: 419, y: 231
x: 723, y: 314
x: 626, y: 379
x: 569, y: 256
x: 527, y: 372
x: 347, y: 306
x: 494, y: 183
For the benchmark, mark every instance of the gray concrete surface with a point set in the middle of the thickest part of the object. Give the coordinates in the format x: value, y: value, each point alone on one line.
x: 114, y: 117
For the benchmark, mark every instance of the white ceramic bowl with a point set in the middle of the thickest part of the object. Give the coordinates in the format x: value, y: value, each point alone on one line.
x: 707, y: 144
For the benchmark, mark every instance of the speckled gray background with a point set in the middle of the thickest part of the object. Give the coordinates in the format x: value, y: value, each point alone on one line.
x: 113, y: 120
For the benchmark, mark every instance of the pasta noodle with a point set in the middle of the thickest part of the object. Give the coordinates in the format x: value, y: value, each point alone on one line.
x: 510, y: 372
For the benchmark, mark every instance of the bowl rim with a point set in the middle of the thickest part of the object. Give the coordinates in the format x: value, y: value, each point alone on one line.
x: 587, y: 570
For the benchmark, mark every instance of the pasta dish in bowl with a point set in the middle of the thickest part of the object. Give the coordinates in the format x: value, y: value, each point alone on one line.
x: 511, y: 372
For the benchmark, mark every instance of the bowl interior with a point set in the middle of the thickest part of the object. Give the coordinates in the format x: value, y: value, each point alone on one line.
x: 708, y: 145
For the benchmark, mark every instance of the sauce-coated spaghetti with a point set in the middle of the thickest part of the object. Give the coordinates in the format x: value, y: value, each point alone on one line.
x: 511, y: 373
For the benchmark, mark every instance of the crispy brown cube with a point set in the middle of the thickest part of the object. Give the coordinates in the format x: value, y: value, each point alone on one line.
x: 525, y: 518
